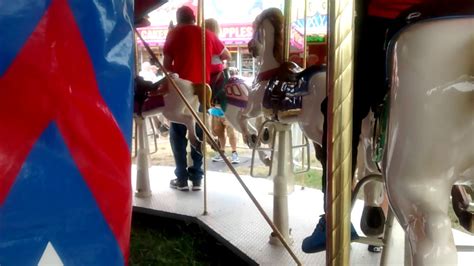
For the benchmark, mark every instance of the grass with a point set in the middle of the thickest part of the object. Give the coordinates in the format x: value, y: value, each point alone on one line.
x: 161, y: 241
x: 310, y: 179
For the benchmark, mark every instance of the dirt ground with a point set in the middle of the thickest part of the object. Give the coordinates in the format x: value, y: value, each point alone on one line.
x: 160, y: 154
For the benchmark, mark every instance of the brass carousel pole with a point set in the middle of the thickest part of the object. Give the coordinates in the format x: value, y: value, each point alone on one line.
x: 204, y: 107
x: 339, y: 169
x: 287, y: 31
x: 305, y: 43
x: 305, y: 52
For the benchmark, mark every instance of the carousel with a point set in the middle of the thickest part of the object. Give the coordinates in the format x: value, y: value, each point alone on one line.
x: 237, y: 209
x: 67, y: 183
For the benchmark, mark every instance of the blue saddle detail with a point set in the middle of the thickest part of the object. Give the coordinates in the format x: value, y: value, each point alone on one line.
x: 288, y: 100
x: 284, y: 95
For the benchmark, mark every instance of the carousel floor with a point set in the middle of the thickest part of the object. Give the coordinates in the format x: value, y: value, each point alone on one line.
x: 234, y: 220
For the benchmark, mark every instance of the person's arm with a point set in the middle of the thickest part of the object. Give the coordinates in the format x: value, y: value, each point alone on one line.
x: 225, y: 55
x: 219, y: 47
x: 168, y: 52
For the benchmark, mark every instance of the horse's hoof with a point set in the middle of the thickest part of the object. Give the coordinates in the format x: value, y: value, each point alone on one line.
x: 267, y: 161
x: 252, y: 143
x: 374, y: 249
x: 266, y: 136
x: 466, y: 220
x: 372, y: 222
x: 461, y: 199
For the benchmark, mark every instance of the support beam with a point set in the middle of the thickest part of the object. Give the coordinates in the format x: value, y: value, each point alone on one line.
x: 339, y: 170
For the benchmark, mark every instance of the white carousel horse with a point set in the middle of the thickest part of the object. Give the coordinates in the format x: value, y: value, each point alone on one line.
x: 430, y: 144
x: 155, y: 98
x: 173, y: 108
x: 237, y: 95
x: 266, y: 45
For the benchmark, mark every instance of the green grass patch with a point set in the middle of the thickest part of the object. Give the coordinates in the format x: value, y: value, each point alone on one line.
x: 161, y: 241
x: 311, y: 179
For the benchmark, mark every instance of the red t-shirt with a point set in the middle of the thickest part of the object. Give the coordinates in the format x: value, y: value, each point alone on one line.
x: 183, y: 45
x: 390, y: 8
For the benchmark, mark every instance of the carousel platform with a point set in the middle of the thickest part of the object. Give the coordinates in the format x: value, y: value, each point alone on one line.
x: 234, y: 220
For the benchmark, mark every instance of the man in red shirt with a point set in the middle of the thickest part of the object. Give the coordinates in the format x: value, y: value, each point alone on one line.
x: 183, y: 55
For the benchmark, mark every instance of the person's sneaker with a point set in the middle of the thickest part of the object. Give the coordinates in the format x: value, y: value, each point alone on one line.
x: 176, y: 184
x: 235, y: 158
x: 196, y: 185
x: 164, y: 130
x: 217, y: 158
x: 316, y: 242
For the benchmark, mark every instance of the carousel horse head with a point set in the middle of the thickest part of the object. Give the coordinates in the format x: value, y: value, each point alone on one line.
x: 270, y: 21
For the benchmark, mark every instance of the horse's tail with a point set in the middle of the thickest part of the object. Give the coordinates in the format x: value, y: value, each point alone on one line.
x: 198, y: 91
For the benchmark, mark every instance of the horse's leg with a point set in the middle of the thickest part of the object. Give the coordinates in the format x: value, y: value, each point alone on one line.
x: 244, y: 125
x: 253, y: 109
x: 461, y: 200
x: 189, y: 121
x: 373, y: 216
x: 372, y: 221
x: 421, y: 206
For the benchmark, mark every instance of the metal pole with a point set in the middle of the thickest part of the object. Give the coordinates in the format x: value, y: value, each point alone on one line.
x: 284, y: 165
x: 143, y: 179
x: 135, y: 48
x: 280, y: 181
x: 287, y: 31
x: 305, y: 43
x: 142, y: 189
x: 305, y: 47
x: 339, y: 170
x: 239, y: 60
x: 204, y: 107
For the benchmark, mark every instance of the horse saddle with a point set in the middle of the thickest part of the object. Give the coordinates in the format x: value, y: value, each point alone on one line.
x: 235, y: 92
x: 144, y: 97
x: 284, y: 92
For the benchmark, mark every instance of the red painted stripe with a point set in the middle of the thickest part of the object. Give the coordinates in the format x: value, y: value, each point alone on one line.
x: 64, y: 89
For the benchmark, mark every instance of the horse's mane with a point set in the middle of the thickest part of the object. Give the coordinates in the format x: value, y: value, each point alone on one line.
x: 275, y: 17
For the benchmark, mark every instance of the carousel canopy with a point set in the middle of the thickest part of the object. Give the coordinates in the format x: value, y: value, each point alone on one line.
x: 142, y: 8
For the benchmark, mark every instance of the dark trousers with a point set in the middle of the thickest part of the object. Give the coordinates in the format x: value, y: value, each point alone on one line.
x: 369, y: 81
x: 178, y: 143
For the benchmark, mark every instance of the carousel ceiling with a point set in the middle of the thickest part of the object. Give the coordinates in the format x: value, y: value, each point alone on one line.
x: 142, y: 8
